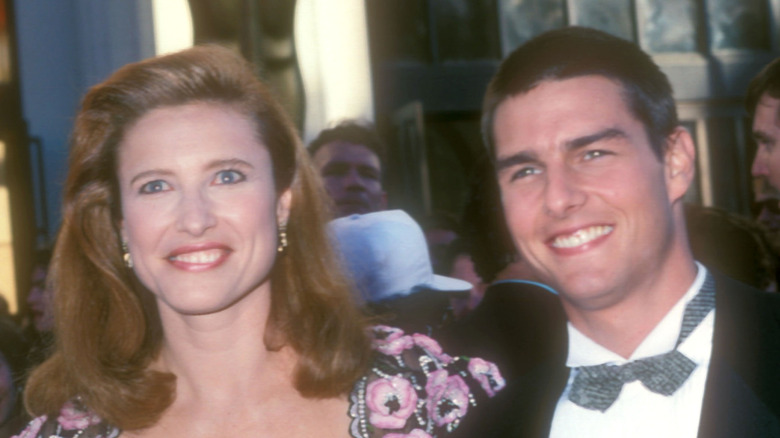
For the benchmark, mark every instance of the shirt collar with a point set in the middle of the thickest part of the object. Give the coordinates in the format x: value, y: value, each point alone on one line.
x: 583, y: 351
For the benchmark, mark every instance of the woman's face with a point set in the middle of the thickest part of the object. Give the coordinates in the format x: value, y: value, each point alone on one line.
x: 199, y: 207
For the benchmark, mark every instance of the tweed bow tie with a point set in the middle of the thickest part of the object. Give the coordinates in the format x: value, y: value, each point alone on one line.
x: 597, y: 387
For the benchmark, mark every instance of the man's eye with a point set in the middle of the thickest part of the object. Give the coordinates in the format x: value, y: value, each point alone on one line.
x: 155, y: 186
x: 229, y: 177
x: 369, y: 175
x: 525, y: 172
x: 335, y: 170
x: 596, y: 153
x: 333, y: 173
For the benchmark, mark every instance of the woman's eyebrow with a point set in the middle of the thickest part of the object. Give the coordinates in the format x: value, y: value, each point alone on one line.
x: 149, y: 173
x: 228, y: 162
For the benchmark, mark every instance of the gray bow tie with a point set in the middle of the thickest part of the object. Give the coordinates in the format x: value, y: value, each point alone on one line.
x: 597, y: 387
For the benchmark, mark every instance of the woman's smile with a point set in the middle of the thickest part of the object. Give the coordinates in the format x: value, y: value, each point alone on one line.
x: 200, y: 257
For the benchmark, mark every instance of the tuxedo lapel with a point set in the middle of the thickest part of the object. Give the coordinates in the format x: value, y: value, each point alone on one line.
x: 524, y: 409
x: 522, y: 327
x: 742, y: 394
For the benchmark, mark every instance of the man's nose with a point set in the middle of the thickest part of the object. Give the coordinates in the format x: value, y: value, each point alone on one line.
x: 760, y: 163
x: 562, y: 193
x: 354, y: 179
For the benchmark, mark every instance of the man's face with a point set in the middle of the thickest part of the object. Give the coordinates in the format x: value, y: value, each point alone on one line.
x: 588, y: 203
x: 766, y: 165
x: 353, y: 177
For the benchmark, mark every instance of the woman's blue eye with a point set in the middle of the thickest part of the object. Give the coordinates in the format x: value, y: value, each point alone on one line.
x: 155, y: 186
x: 229, y: 177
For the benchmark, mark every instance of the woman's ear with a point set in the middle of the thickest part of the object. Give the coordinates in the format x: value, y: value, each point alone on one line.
x: 283, y: 205
x: 679, y: 163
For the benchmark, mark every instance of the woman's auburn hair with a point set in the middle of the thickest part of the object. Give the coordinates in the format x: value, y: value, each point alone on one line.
x: 108, y: 331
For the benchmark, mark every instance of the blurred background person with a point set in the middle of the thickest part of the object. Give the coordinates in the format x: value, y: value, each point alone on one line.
x: 459, y: 264
x: 40, y: 298
x: 732, y: 244
x: 14, y: 363
x: 387, y: 257
x: 39, y: 328
x: 349, y: 158
x: 762, y: 103
x: 441, y: 230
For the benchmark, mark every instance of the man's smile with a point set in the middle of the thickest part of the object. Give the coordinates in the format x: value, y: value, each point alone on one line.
x: 581, y: 236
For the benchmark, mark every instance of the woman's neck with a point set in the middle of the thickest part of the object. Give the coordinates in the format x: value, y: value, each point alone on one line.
x: 222, y: 355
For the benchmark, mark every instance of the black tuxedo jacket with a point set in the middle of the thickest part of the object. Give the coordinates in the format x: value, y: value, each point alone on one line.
x: 742, y: 393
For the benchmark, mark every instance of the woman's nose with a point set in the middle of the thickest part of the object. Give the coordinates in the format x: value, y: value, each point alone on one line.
x: 195, y: 214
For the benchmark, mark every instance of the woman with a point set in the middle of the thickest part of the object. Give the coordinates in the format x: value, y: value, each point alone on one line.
x: 195, y: 292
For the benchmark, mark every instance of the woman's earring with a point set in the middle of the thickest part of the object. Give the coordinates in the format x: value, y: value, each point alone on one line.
x: 126, y: 255
x: 282, y: 238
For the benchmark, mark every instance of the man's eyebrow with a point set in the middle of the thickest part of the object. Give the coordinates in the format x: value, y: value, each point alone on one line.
x: 336, y: 164
x: 524, y: 157
x: 759, y: 135
x: 515, y: 160
x: 606, y: 134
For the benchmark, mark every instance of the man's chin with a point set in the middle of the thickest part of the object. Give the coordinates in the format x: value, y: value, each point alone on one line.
x: 769, y: 219
x: 764, y: 190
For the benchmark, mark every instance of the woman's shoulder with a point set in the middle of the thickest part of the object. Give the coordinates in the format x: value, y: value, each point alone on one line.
x: 416, y: 390
x: 73, y: 420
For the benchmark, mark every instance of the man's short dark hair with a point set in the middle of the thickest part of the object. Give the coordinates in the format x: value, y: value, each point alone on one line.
x: 578, y: 51
x: 766, y: 82
x: 351, y: 131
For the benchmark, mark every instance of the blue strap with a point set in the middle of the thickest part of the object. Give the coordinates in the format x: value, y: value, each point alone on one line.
x: 542, y: 285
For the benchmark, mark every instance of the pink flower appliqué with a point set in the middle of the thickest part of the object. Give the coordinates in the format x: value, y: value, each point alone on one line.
x: 73, y: 418
x: 390, y: 340
x: 416, y: 433
x: 32, y: 429
x: 431, y: 346
x: 487, y: 374
x: 391, y: 402
x: 448, y: 397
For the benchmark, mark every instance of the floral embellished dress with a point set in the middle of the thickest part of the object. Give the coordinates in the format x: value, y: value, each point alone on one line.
x: 413, y: 390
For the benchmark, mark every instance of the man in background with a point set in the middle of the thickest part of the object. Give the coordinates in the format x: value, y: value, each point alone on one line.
x: 763, y: 106
x: 349, y: 157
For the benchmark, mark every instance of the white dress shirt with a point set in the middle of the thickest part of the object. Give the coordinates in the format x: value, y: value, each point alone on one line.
x: 639, y: 412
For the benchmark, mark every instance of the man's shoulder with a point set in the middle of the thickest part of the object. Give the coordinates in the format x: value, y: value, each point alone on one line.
x: 745, y: 301
x: 746, y: 352
x: 517, y: 325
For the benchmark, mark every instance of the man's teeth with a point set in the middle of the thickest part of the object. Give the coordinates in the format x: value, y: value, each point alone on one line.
x: 581, y: 237
x: 199, y: 257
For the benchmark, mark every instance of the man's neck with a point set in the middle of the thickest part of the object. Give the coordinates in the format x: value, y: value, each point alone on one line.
x: 621, y: 327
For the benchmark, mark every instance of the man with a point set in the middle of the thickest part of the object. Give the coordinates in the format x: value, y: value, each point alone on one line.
x: 349, y: 159
x: 592, y: 165
x: 763, y: 106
